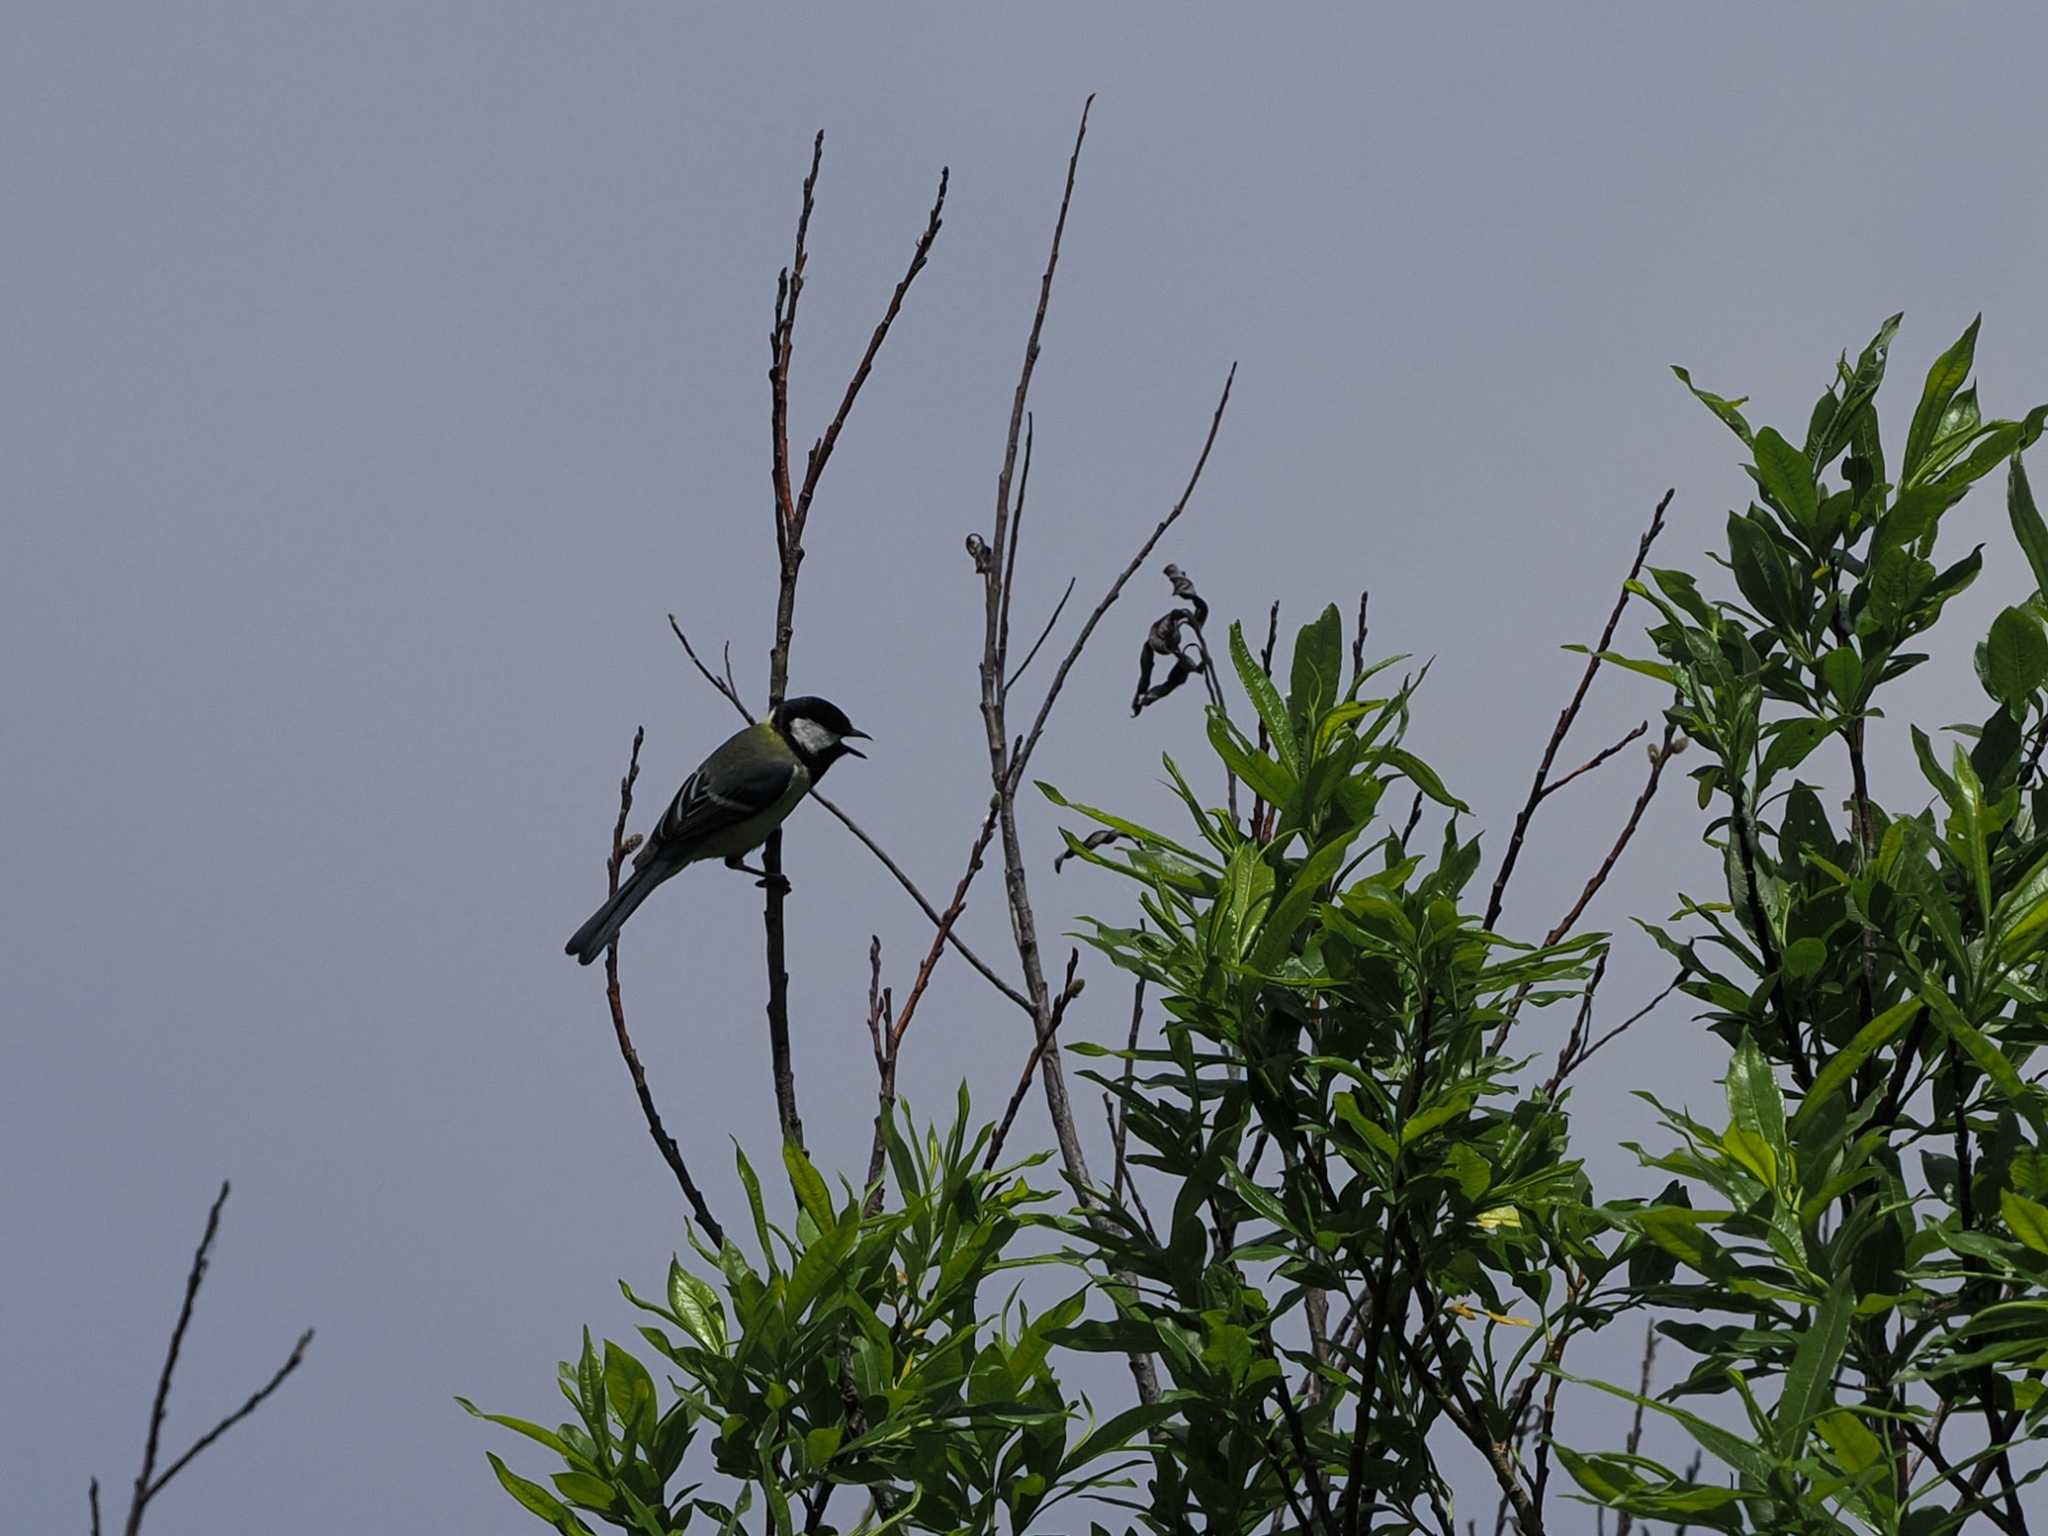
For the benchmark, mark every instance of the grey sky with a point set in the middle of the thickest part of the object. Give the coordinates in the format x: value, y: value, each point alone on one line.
x: 377, y: 377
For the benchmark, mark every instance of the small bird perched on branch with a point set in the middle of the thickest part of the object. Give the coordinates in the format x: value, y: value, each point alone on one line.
x: 728, y: 807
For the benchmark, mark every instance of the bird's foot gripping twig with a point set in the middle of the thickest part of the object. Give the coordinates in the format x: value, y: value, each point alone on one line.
x: 767, y: 880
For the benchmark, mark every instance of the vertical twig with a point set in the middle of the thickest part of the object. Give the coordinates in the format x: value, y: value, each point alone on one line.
x: 1625, y: 1522
x: 664, y: 1143
x: 792, y: 513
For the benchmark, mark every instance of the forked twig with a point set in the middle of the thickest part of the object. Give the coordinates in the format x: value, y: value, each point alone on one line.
x: 664, y: 1143
x: 1569, y: 715
x: 149, y: 1482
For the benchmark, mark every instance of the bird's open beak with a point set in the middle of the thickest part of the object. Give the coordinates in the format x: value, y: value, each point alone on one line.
x: 853, y: 736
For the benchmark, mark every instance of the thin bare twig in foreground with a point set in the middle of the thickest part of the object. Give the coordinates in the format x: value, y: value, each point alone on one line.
x: 1569, y: 715
x: 1594, y: 761
x: 1626, y: 1522
x: 665, y: 1143
x: 924, y: 903
x: 1121, y: 1128
x: 888, y: 1041
x: 1069, y: 990
x: 1044, y: 634
x: 792, y: 512
x: 1659, y: 755
x: 149, y: 1482
x: 724, y: 684
x: 1583, y: 1053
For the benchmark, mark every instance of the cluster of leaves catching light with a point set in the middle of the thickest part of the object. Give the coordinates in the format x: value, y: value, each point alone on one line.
x: 856, y: 1355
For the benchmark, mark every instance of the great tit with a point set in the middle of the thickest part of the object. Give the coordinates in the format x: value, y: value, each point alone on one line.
x: 726, y: 809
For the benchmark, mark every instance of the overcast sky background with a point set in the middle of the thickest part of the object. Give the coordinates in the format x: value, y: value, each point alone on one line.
x: 377, y: 377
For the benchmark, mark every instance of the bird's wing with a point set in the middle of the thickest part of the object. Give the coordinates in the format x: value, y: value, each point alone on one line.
x: 719, y: 796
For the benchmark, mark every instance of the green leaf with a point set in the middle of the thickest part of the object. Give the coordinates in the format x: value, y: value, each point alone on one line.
x: 1855, y: 1447
x: 536, y: 1498
x: 1809, y: 1380
x: 1740, y: 1453
x: 1792, y: 743
x: 1415, y: 1127
x: 1349, y: 1111
x: 1968, y: 832
x: 1989, y: 1059
x: 1276, y: 934
x: 1755, y: 1102
x: 1762, y: 572
x: 812, y: 1193
x: 1316, y: 678
x: 2016, y: 658
x: 582, y: 1488
x: 2028, y: 1219
x: 751, y: 1183
x: 1130, y: 829
x: 1421, y: 775
x: 1842, y: 671
x: 1725, y: 409
x: 1266, y: 700
x: 2027, y: 526
x: 1117, y: 1433
x: 629, y: 1389
x: 1804, y: 957
x: 1838, y: 426
x: 1753, y: 1153
x: 698, y: 1305
x: 1842, y: 1066
x: 1944, y: 379
x: 1786, y: 477
x: 1268, y: 779
x: 534, y: 1432
x: 1656, y: 669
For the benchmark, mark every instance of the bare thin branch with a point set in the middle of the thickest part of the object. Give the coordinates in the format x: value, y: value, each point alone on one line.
x: 149, y: 1482
x: 1052, y: 693
x: 724, y: 685
x: 1031, y: 655
x: 255, y: 1401
x: 193, y: 1279
x: 1120, y: 1128
x: 1569, y: 715
x: 1069, y: 990
x: 1009, y: 583
x: 1594, y: 761
x: 1625, y: 1522
x: 924, y: 903
x: 1660, y: 754
x: 1585, y: 1053
x: 664, y: 1143
x: 792, y: 512
x: 822, y: 452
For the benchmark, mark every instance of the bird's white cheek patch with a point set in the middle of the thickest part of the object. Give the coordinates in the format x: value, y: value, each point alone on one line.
x: 812, y: 737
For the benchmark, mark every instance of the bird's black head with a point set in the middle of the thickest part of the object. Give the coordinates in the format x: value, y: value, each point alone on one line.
x: 818, y: 731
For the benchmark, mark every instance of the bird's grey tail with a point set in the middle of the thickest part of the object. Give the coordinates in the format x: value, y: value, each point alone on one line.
x: 595, y: 936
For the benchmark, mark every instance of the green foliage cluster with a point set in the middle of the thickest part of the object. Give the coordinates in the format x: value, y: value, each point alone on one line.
x: 1357, y: 1234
